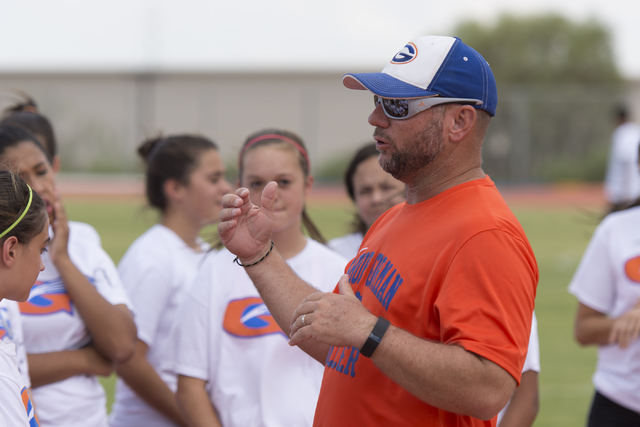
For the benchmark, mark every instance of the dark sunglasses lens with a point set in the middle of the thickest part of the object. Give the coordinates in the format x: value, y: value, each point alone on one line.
x: 396, y: 107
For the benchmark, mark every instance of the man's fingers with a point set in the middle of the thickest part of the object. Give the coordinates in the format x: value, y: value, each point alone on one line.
x: 231, y: 201
x: 306, y: 306
x: 226, y: 229
x: 228, y: 214
x: 301, y: 334
x: 269, y: 196
x: 299, y: 323
x: 344, y: 286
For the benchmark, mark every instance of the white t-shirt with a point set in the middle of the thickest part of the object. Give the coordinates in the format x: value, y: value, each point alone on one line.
x: 622, y: 181
x: 15, y: 405
x: 532, y: 362
x: 228, y: 338
x: 51, y: 323
x: 11, y: 333
x: 348, y: 245
x: 155, y: 271
x: 608, y: 281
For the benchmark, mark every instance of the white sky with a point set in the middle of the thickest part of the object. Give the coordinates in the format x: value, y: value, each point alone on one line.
x: 259, y: 35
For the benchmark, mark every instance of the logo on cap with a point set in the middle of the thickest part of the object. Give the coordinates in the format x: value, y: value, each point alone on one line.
x: 407, y: 54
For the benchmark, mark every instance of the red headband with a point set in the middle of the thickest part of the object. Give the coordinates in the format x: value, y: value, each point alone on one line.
x: 280, y: 138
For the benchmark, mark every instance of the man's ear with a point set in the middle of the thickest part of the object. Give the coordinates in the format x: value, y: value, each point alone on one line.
x: 463, y: 118
x: 173, y: 189
x: 9, y: 251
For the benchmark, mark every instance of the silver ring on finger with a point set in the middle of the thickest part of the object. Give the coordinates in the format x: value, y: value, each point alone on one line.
x: 303, y: 322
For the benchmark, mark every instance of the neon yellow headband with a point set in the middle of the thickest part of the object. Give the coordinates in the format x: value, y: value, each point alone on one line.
x: 17, y: 221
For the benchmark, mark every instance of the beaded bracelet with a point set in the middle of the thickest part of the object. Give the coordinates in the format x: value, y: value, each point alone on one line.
x: 257, y: 262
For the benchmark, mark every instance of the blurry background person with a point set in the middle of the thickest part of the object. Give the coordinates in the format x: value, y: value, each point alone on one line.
x: 522, y: 409
x: 606, y: 284
x: 25, y: 114
x: 373, y: 191
x: 235, y: 365
x: 76, y: 321
x: 622, y: 181
x: 24, y: 235
x: 185, y: 181
x: 22, y: 114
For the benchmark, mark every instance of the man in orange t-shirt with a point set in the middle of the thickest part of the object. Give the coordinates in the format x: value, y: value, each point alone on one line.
x: 430, y: 326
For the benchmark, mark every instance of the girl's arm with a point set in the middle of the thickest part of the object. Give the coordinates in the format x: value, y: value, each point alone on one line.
x: 111, y: 326
x: 525, y: 403
x: 144, y: 380
x: 48, y: 368
x: 195, y: 404
x: 593, y: 327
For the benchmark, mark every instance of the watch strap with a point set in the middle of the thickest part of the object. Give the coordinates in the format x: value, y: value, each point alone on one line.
x: 375, y: 337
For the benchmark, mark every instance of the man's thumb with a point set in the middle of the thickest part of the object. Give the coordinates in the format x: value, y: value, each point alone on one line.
x: 344, y: 286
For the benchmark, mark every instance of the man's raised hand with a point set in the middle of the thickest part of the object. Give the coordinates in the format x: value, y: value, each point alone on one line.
x: 245, y: 228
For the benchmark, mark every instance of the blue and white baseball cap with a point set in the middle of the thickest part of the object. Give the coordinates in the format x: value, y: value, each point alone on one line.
x: 433, y: 66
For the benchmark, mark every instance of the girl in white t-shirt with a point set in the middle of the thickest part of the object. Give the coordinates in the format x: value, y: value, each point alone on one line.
x: 23, y: 238
x: 373, y: 191
x: 76, y: 322
x: 607, y: 285
x: 235, y: 365
x: 185, y: 181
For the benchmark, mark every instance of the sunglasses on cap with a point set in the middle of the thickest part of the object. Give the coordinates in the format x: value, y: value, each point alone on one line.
x: 400, y: 109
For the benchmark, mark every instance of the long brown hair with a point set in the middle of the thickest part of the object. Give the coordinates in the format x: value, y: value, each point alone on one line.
x: 279, y: 136
x: 170, y: 157
x: 25, y: 114
x: 364, y: 153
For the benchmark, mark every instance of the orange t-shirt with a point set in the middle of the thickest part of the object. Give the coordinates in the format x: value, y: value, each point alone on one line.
x: 456, y: 269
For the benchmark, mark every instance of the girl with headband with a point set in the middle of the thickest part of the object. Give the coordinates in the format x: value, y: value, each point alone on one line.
x: 24, y: 235
x: 234, y: 363
x: 185, y: 181
x: 76, y: 321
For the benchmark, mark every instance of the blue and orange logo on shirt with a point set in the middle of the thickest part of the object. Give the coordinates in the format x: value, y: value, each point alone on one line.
x: 5, y: 325
x: 28, y: 406
x: 47, y: 297
x: 632, y: 269
x: 249, y: 318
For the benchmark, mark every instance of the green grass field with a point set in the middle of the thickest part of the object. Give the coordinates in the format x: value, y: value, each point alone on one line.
x: 558, y: 236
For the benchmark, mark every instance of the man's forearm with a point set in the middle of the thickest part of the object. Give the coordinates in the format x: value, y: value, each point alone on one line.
x: 445, y: 376
x: 282, y: 291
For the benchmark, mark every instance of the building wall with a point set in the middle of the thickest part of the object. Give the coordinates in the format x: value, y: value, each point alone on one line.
x: 541, y: 132
x: 101, y: 118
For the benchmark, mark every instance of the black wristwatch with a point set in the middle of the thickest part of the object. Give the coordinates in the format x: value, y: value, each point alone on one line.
x: 375, y: 337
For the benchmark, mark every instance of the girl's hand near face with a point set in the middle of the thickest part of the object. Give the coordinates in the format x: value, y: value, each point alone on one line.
x: 60, y: 224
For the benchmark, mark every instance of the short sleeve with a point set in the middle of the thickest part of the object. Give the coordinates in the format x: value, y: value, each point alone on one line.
x: 149, y: 289
x: 193, y: 334
x: 12, y: 410
x: 486, y: 301
x: 21, y: 353
x: 106, y: 279
x: 592, y: 282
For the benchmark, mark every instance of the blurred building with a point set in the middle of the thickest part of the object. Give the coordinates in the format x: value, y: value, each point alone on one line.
x: 539, y: 133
